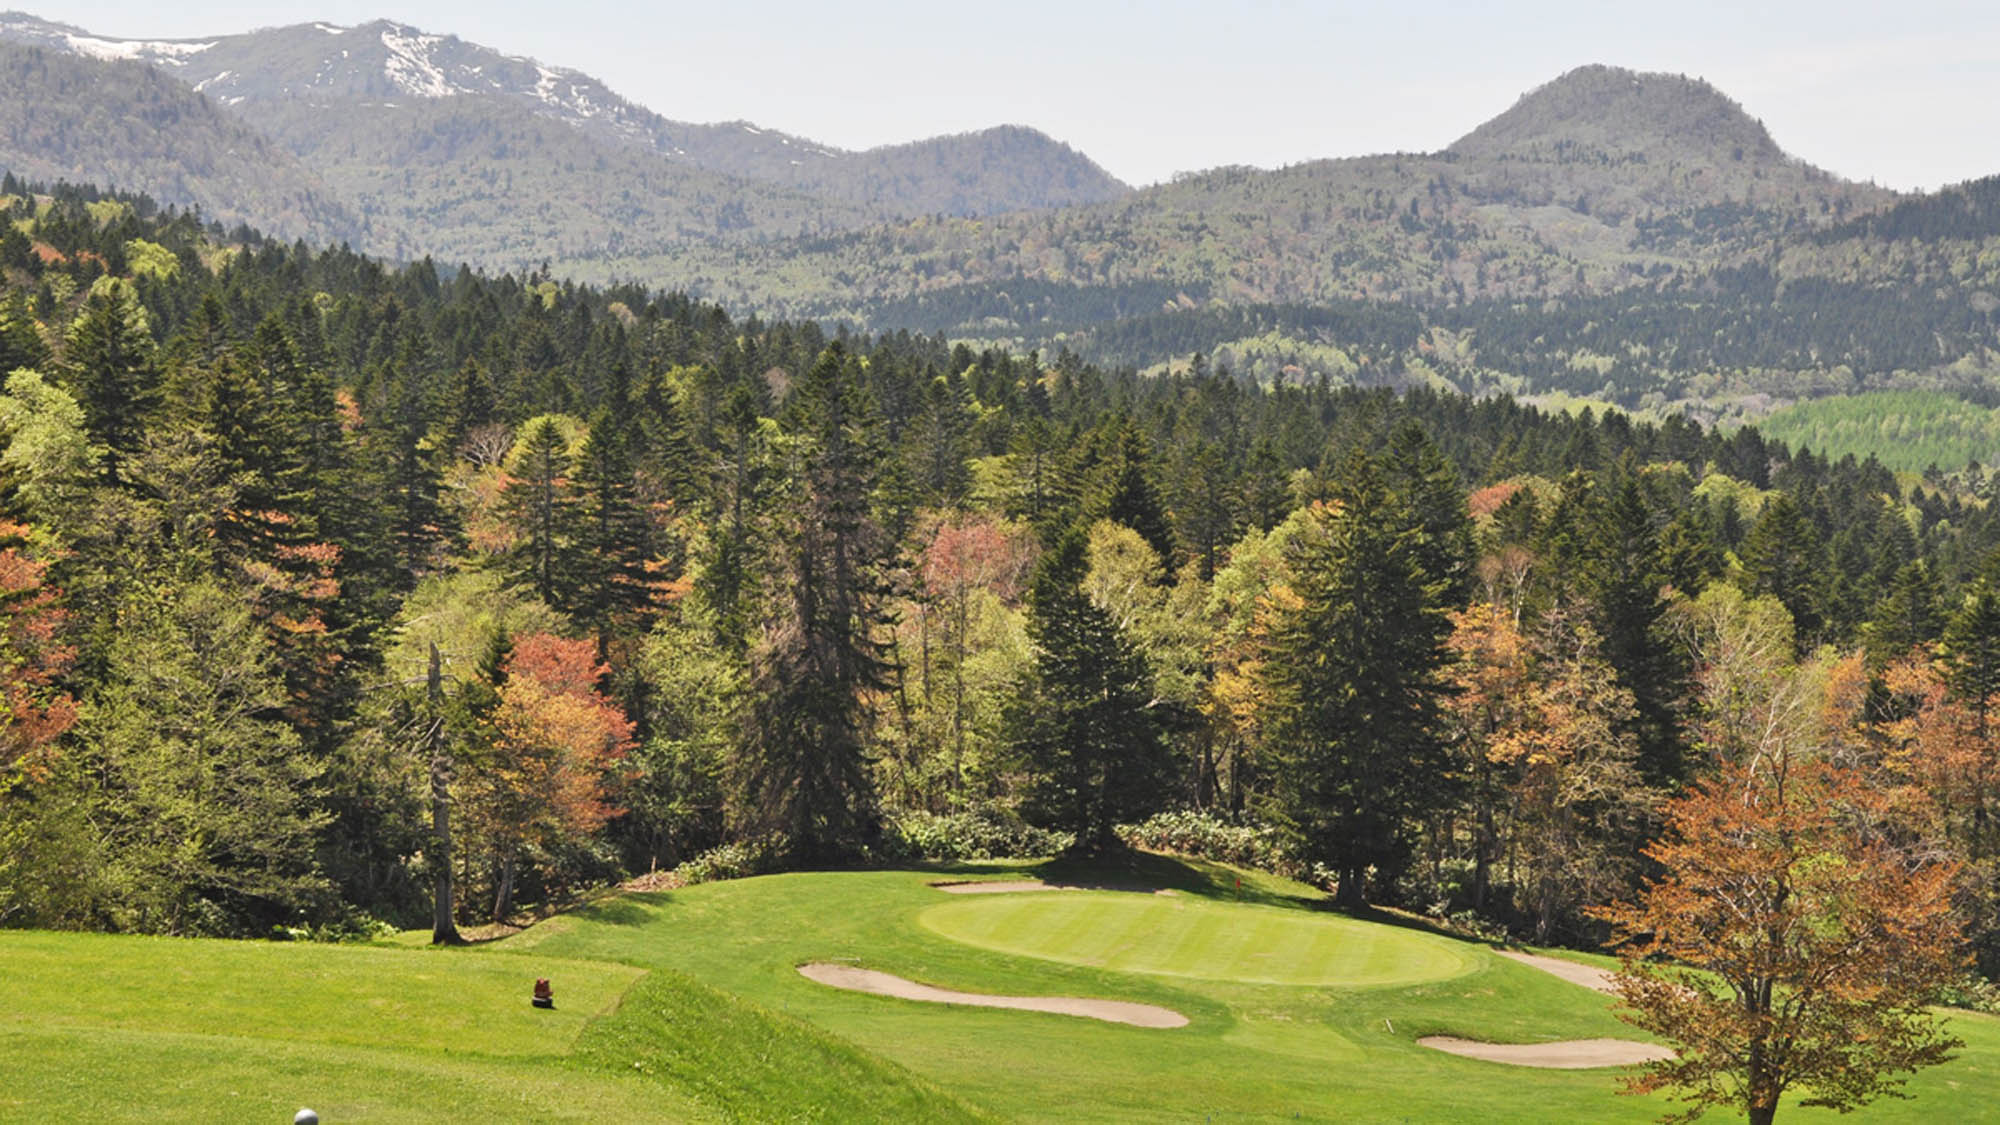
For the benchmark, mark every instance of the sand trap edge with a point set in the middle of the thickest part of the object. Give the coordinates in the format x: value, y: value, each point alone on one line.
x: 853, y: 979
x: 1566, y: 1054
x: 1575, y: 972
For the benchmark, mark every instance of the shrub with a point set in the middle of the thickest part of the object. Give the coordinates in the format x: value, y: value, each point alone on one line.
x: 1204, y: 835
x: 987, y: 832
x: 738, y: 860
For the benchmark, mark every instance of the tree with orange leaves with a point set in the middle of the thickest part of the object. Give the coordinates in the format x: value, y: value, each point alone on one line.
x: 557, y: 756
x: 1789, y: 946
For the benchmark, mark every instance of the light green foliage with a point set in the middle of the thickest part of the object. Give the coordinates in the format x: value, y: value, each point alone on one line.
x: 46, y: 450
x: 1718, y: 486
x: 696, y: 691
x: 200, y: 794
x: 104, y: 212
x: 572, y: 429
x: 463, y: 612
x: 1164, y: 620
x: 1905, y: 430
x: 150, y: 259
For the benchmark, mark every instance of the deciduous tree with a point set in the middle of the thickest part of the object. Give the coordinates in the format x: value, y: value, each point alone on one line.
x: 1788, y: 947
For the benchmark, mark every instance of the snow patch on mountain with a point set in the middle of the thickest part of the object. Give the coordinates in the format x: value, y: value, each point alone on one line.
x: 151, y: 50
x: 410, y: 65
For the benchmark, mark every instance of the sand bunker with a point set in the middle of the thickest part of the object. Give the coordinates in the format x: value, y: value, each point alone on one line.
x: 1571, y: 971
x: 1012, y: 886
x: 883, y: 984
x: 1568, y: 1054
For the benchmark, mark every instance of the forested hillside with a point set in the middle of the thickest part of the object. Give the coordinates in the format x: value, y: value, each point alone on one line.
x: 335, y: 587
x: 63, y: 117
x: 1531, y: 204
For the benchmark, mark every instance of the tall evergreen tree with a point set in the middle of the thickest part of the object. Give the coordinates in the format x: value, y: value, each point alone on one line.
x: 1082, y: 727
x: 615, y: 589
x: 1354, y: 673
x: 539, y: 502
x: 109, y: 367
x: 804, y: 766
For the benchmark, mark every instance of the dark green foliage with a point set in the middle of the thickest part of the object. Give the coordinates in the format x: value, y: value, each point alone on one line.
x: 1785, y: 558
x: 614, y: 589
x: 539, y: 503
x: 805, y: 758
x: 319, y: 439
x: 1354, y: 675
x: 1083, y: 728
x: 109, y: 367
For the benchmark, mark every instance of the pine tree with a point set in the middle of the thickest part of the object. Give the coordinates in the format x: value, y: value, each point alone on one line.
x: 1082, y: 727
x: 804, y: 766
x: 109, y: 367
x: 539, y: 502
x: 1354, y: 673
x: 1907, y: 616
x: 1784, y: 557
x: 614, y: 588
x: 1971, y: 651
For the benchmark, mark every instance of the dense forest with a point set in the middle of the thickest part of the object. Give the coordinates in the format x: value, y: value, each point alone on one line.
x: 334, y: 591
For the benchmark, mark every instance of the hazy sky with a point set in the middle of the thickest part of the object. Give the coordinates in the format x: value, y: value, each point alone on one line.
x: 1907, y: 94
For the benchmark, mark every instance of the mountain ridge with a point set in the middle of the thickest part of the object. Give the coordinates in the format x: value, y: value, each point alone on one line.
x: 381, y: 63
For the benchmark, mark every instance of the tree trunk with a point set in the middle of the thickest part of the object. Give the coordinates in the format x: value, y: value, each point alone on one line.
x: 1352, y: 893
x: 1763, y: 1114
x: 444, y: 931
x: 503, y: 897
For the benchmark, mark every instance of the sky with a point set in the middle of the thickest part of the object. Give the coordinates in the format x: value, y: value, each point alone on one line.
x: 1905, y: 94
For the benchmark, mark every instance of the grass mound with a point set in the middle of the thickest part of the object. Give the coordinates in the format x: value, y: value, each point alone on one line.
x: 1190, y: 937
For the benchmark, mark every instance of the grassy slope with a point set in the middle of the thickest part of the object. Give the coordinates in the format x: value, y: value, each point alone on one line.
x: 103, y: 1028
x: 1252, y: 1051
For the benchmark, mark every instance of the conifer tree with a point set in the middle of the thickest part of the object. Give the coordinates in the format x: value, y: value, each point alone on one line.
x: 804, y: 766
x: 539, y: 502
x: 1083, y: 728
x: 614, y: 587
x: 1354, y: 673
x: 1784, y: 557
x: 110, y: 369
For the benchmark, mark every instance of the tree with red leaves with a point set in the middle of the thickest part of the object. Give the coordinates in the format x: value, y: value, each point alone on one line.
x: 557, y: 759
x: 33, y: 711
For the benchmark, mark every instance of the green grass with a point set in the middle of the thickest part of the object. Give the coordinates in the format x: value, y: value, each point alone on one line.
x: 102, y: 1028
x: 1190, y: 937
x: 1253, y: 1051
x: 687, y: 1005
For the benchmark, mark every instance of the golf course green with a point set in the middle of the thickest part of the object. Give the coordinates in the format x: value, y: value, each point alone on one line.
x: 688, y: 1005
x: 1184, y: 936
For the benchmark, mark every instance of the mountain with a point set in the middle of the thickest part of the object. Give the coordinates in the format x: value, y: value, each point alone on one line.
x: 1600, y: 180
x: 1605, y: 114
x: 398, y: 76
x: 68, y: 117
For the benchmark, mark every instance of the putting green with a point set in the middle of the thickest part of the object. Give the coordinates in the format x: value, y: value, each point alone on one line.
x: 1190, y: 937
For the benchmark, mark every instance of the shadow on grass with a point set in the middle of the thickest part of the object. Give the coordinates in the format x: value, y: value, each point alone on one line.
x: 1127, y: 870
x: 633, y: 908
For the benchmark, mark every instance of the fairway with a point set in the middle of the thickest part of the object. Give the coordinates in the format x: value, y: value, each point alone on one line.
x: 1190, y: 937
